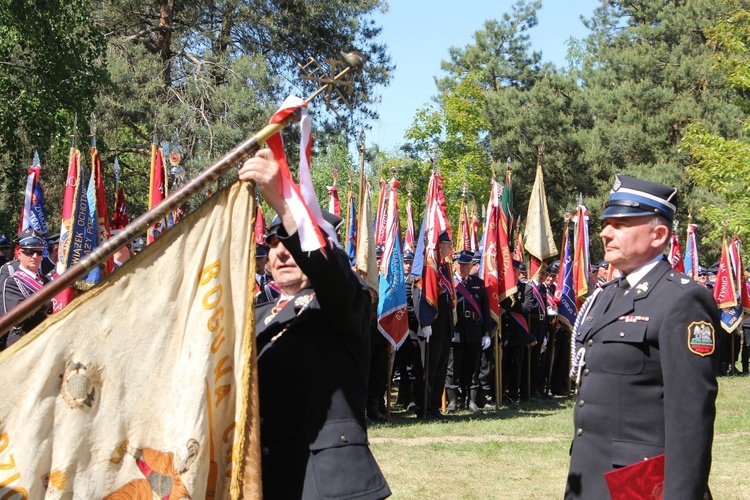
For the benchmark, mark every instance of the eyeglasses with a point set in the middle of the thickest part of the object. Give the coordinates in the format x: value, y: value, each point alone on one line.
x: 31, y: 251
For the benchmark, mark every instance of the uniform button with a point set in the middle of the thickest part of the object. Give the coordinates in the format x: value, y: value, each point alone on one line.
x: 264, y: 451
x: 585, y: 371
x: 261, y: 420
x: 622, y: 334
x: 580, y: 402
x: 579, y: 432
x: 591, y: 342
x: 344, y: 439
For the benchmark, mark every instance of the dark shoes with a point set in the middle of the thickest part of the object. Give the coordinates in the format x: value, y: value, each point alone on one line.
x: 376, y: 415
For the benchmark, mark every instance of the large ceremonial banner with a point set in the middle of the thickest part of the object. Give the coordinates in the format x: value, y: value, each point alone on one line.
x: 132, y: 391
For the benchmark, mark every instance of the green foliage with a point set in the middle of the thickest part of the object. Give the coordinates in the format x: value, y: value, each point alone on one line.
x: 51, y: 66
x: 623, y: 105
x: 721, y: 163
x: 202, y: 76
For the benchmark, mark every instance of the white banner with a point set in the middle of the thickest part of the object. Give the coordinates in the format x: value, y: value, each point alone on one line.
x: 132, y: 390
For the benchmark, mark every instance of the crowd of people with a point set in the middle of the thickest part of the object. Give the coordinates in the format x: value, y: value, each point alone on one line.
x: 27, y: 269
x: 645, y: 350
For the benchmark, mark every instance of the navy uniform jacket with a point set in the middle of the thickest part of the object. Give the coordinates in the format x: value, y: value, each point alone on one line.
x: 12, y: 292
x: 312, y: 375
x: 538, y: 313
x: 648, y: 386
x: 472, y: 325
x: 513, y: 334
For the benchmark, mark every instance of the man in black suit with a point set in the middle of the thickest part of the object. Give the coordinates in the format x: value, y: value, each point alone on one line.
x: 473, y: 325
x: 646, y: 363
x: 313, y: 349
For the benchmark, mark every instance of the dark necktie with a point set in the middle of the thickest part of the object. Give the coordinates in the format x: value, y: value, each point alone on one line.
x: 621, y: 287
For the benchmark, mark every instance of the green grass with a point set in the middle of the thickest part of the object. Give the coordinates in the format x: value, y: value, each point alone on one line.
x: 523, y: 452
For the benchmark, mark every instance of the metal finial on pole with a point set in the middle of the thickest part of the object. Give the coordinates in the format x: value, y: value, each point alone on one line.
x: 74, y: 134
x: 433, y: 155
x: 116, y: 168
x: 93, y: 131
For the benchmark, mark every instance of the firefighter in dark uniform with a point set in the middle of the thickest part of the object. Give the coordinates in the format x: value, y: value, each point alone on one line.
x: 645, y: 356
x: 473, y: 324
x: 409, y: 356
x: 24, y: 282
x: 313, y: 351
x: 515, y: 334
x: 438, y: 334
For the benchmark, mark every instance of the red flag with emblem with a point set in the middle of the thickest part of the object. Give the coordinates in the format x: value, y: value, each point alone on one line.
x: 409, y: 245
x: 120, y: 219
x: 102, y: 211
x: 489, y: 252
x: 675, y: 253
x: 381, y: 215
x: 581, y: 264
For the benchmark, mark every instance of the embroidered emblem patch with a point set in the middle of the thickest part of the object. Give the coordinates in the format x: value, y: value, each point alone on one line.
x: 685, y: 281
x: 701, y: 338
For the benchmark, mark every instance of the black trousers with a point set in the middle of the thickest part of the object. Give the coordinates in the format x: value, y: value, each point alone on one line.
x: 411, y: 371
x: 463, y: 365
x: 437, y: 368
x: 513, y: 356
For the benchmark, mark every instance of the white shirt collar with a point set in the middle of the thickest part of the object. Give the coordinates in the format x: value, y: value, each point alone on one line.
x: 33, y: 275
x: 636, y: 276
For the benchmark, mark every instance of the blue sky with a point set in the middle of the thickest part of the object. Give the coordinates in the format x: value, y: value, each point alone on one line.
x: 420, y: 32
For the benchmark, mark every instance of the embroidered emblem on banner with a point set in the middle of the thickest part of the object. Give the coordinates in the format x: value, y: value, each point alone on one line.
x: 701, y: 338
x: 633, y: 319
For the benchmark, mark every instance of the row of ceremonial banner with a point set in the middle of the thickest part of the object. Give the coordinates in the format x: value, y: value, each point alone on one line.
x: 141, y: 387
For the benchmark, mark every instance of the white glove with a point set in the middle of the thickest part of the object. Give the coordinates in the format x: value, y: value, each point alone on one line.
x: 486, y: 342
x: 426, y: 332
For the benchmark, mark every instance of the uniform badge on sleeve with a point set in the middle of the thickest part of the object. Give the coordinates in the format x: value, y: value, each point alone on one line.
x: 701, y: 338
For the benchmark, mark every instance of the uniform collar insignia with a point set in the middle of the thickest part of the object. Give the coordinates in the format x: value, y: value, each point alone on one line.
x: 642, y: 287
x: 633, y: 319
x: 303, y: 300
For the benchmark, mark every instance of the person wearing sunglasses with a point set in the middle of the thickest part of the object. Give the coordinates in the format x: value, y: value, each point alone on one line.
x: 25, y: 281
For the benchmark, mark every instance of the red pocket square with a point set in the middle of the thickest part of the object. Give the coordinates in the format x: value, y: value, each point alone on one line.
x: 641, y: 480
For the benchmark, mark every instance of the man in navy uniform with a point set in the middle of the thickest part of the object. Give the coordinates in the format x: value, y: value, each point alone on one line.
x: 409, y: 355
x: 23, y: 282
x: 473, y: 326
x: 516, y: 334
x: 647, y: 364
x: 313, y: 349
x: 438, y: 334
